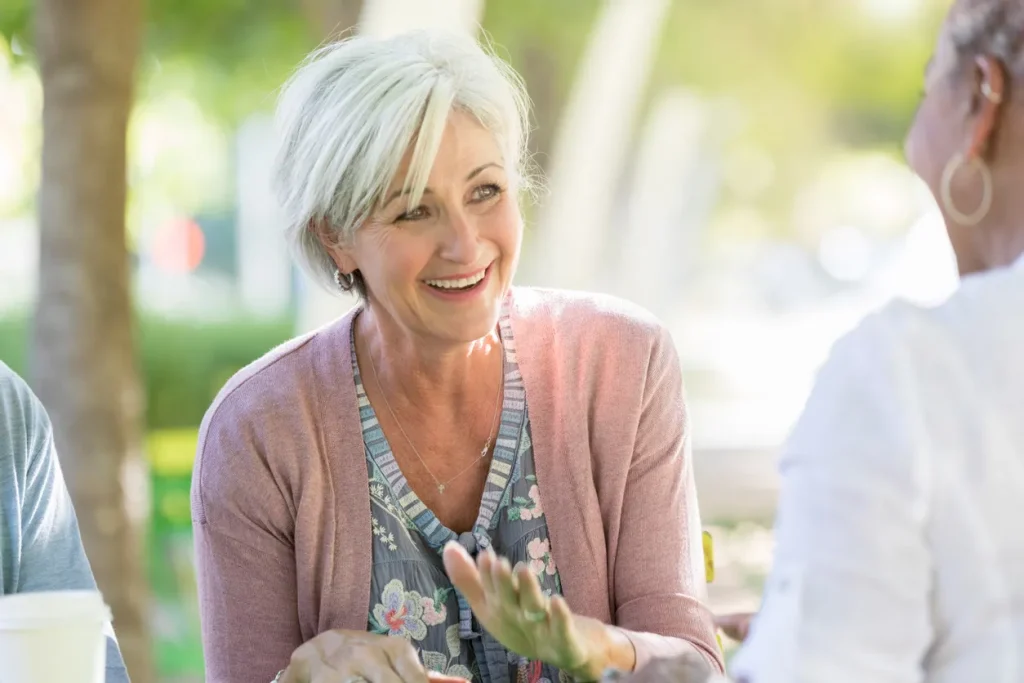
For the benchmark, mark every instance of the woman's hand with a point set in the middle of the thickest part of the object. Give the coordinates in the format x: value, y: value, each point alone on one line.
x: 356, y: 656
x: 513, y: 609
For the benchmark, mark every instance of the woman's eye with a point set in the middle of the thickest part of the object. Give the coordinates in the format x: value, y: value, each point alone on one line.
x: 419, y: 213
x: 485, y: 192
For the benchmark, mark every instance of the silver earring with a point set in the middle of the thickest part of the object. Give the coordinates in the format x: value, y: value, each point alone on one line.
x: 345, y: 281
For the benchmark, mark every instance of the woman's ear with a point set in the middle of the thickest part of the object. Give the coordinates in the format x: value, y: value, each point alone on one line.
x: 989, y: 94
x: 340, y: 252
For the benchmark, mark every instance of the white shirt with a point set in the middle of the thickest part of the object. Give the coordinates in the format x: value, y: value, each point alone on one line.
x: 900, y: 529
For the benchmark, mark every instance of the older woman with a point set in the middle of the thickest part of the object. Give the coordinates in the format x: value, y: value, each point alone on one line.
x: 458, y: 477
x: 900, y: 557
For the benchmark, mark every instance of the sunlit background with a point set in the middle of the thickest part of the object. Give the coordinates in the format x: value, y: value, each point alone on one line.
x: 734, y: 166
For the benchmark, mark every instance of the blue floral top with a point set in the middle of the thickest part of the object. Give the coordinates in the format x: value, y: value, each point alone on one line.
x: 411, y: 595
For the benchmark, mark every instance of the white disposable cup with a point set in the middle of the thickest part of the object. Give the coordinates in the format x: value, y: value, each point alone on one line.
x: 53, y: 637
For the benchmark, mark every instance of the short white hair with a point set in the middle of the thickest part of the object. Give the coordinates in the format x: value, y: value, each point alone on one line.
x: 994, y: 27
x: 352, y: 109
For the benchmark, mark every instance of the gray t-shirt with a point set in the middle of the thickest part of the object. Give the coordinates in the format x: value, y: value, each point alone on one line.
x: 40, y: 546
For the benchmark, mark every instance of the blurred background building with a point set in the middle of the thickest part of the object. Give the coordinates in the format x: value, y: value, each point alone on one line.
x: 735, y: 167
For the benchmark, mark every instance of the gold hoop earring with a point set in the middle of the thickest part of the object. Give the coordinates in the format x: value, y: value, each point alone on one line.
x: 949, y: 173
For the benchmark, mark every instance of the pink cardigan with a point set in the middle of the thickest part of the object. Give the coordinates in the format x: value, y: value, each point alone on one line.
x: 281, y: 507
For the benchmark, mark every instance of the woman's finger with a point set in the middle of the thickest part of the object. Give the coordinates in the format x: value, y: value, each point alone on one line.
x: 381, y: 672
x: 345, y: 673
x: 381, y: 676
x: 405, y: 662
x: 485, y: 563
x: 532, y: 602
x: 464, y: 574
x: 373, y: 664
x: 560, y: 617
x: 441, y: 678
x: 505, y: 585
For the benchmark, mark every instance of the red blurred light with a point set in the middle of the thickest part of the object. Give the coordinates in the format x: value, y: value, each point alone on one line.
x: 179, y: 246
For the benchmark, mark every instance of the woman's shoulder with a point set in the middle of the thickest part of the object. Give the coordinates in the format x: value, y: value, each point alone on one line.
x: 608, y: 346
x: 265, y: 424
x: 578, y: 315
x: 975, y: 317
x: 275, y: 386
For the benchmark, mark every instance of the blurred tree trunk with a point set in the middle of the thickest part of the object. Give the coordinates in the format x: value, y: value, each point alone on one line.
x: 329, y: 18
x: 83, y: 357
x: 539, y: 69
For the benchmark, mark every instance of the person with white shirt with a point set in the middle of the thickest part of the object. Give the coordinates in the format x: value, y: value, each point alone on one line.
x: 899, y: 557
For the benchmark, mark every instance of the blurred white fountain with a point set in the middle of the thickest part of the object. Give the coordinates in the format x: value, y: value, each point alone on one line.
x: 592, y: 143
x: 673, y: 192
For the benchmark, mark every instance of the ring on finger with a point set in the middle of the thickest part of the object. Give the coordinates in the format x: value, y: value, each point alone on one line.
x: 355, y: 679
x: 536, y: 616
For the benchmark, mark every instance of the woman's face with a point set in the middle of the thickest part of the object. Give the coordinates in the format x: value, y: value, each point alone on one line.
x: 440, y: 270
x: 941, y: 130
x: 939, y: 127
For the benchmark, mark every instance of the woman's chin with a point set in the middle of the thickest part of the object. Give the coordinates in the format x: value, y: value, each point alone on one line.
x: 469, y: 327
x: 470, y: 321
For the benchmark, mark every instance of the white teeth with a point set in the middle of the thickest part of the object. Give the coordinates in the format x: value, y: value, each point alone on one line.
x: 461, y: 283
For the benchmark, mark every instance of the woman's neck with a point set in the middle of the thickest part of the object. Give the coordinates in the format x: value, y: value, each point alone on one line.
x: 997, y: 241
x: 1006, y: 248
x: 991, y: 247
x: 426, y: 374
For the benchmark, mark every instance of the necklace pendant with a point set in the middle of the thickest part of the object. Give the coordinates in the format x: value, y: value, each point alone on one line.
x: 440, y: 488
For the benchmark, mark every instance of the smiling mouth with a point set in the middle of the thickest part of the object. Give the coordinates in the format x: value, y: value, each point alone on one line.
x: 462, y: 284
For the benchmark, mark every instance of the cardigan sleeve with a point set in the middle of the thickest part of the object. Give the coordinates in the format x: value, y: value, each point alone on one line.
x: 659, y: 578
x: 245, y: 557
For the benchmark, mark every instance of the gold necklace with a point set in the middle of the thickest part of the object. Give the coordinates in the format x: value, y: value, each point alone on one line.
x: 483, y: 451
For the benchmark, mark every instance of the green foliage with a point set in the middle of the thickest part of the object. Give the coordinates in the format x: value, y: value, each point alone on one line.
x: 15, y: 21
x: 778, y: 56
x: 240, y: 50
x: 183, y: 364
x: 231, y: 55
x: 804, y: 77
x: 827, y: 56
x: 235, y: 52
x: 14, y: 344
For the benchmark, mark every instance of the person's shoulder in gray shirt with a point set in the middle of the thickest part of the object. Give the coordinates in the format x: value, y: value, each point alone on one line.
x: 40, y: 545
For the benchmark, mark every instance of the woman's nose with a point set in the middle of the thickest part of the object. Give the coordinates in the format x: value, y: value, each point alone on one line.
x: 462, y: 239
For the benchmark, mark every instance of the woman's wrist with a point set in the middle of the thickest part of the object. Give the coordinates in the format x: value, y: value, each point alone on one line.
x: 608, y: 648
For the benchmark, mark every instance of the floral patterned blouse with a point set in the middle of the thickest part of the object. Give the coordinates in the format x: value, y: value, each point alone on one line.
x: 411, y: 595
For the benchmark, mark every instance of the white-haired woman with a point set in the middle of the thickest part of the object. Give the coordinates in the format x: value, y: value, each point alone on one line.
x: 458, y: 477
